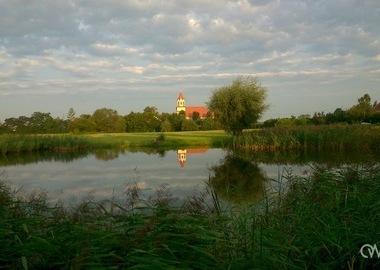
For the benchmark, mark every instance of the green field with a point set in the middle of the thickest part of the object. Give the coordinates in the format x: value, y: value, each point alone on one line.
x: 166, y: 140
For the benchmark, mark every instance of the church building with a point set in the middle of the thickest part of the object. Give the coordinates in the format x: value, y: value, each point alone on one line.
x: 189, y: 110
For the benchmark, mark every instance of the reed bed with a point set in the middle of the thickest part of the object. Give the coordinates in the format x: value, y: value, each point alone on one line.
x: 320, y: 222
x: 315, y: 138
x: 58, y: 143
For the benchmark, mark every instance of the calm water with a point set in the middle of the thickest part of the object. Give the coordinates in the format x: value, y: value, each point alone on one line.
x: 103, y: 174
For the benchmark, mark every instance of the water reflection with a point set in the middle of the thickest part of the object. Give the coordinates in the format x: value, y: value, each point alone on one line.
x: 105, y: 173
x: 182, y: 154
x: 238, y: 180
x: 236, y: 176
x: 42, y: 156
x: 106, y: 155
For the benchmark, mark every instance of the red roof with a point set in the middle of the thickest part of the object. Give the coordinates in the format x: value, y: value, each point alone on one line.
x: 180, y: 96
x: 202, y: 111
x: 377, y: 108
x: 197, y: 150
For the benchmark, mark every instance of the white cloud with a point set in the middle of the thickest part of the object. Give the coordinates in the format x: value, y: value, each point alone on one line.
x: 72, y: 68
x: 112, y: 50
x: 162, y: 45
x: 134, y: 69
x: 24, y: 62
x: 4, y: 56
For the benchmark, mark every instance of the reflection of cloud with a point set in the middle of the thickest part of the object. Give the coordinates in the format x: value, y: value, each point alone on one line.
x: 106, y: 179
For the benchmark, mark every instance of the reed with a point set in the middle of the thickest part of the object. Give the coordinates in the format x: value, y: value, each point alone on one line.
x: 33, y: 143
x: 314, y: 138
x: 320, y: 221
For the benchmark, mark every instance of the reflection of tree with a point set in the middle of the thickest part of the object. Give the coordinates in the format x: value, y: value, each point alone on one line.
x: 106, y: 155
x: 238, y: 180
x: 34, y: 157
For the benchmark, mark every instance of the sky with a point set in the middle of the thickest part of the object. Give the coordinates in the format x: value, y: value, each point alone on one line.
x: 311, y: 55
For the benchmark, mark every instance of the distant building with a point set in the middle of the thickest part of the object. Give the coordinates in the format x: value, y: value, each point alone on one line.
x: 189, y: 110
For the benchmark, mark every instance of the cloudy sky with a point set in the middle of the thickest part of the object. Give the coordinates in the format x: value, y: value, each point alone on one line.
x: 312, y: 55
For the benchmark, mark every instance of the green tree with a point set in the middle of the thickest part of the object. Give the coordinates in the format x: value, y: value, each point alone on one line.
x: 189, y: 125
x: 285, y: 122
x: 16, y: 125
x: 41, y: 122
x: 166, y: 126
x: 210, y: 124
x: 362, y: 111
x: 175, y: 120
x: 319, y: 118
x: 108, y: 120
x: 136, y: 122
x: 151, y: 117
x: 338, y: 116
x: 196, y: 116
x: 84, y: 123
x: 270, y: 122
x: 239, y: 105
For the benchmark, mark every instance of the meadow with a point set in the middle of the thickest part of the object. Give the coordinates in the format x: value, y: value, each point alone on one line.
x: 320, y: 222
x: 169, y: 140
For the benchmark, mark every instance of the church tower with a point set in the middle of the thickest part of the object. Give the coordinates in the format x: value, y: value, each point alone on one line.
x: 180, y: 103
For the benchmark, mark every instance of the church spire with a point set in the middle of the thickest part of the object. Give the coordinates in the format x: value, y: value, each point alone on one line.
x: 180, y: 103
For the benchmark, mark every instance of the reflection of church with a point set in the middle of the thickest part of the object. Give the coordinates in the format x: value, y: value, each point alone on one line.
x: 182, y: 154
x: 189, y: 110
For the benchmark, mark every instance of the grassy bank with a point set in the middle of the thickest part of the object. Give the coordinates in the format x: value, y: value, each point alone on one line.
x: 321, y: 222
x: 315, y: 138
x: 167, y: 140
x: 77, y: 142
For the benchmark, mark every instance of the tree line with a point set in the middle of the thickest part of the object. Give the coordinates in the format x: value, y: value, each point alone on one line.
x: 108, y: 121
x: 234, y: 107
x: 364, y: 112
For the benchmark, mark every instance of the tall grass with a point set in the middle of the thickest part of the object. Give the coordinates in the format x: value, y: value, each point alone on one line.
x: 32, y: 143
x: 320, y: 222
x: 315, y: 138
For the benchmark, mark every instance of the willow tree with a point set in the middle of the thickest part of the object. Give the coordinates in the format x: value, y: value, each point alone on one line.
x: 239, y: 105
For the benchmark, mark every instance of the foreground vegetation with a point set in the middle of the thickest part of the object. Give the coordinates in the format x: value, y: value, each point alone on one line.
x: 320, y: 222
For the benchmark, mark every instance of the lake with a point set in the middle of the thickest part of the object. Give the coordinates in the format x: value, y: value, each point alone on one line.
x: 246, y: 176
